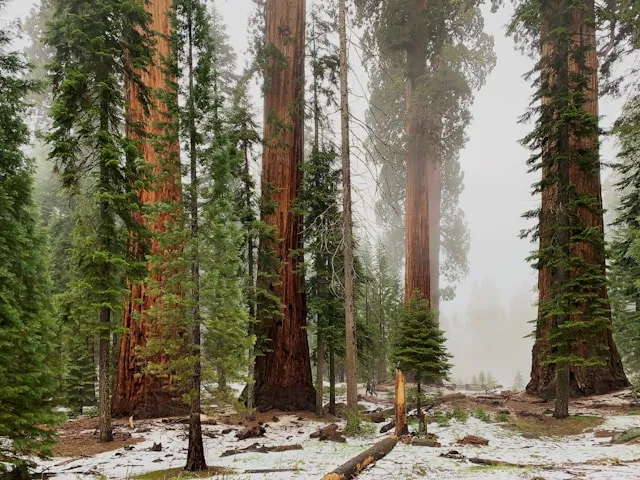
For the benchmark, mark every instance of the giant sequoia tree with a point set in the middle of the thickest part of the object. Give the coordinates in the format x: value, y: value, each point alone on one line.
x: 154, y: 126
x: 283, y: 369
x: 426, y: 59
x: 574, y: 351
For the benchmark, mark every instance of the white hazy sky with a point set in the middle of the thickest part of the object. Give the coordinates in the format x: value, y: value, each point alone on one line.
x: 497, y: 186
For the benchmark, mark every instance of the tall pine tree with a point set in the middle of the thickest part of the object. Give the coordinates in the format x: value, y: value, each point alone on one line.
x: 27, y: 380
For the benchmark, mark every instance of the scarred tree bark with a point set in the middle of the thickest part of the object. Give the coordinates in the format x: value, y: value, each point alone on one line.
x: 137, y: 393
x: 283, y: 373
x: 610, y: 376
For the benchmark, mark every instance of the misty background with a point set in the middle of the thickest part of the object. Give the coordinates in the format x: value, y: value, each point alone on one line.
x: 487, y: 321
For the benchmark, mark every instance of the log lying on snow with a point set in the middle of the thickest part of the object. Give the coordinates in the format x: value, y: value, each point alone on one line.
x: 356, y: 465
x: 256, y: 447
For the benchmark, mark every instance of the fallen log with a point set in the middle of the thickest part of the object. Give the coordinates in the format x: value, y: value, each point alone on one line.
x: 257, y: 448
x: 356, y: 465
x: 496, y: 463
x: 272, y: 470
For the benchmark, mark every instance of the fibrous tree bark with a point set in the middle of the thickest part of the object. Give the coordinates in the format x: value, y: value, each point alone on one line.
x: 283, y: 372
x: 417, y: 267
x: 137, y: 392
x: 610, y: 376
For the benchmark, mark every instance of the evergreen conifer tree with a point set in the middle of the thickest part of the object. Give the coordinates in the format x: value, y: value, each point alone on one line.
x: 95, y: 43
x: 27, y: 381
x: 419, y: 347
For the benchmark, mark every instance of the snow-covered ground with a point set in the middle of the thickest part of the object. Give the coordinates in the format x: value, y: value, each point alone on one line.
x: 582, y: 456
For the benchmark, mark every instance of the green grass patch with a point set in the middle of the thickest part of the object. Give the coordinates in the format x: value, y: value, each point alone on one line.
x: 339, y: 390
x: 502, y: 417
x: 634, y: 411
x: 496, y: 468
x: 536, y: 427
x: 357, y: 427
x: 180, y: 474
x: 480, y: 414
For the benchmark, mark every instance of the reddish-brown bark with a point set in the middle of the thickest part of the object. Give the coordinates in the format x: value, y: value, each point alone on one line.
x: 283, y: 373
x: 583, y: 380
x: 417, y: 242
x: 136, y: 392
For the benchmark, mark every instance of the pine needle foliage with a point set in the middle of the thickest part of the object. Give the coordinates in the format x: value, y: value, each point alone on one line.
x: 27, y: 380
x: 419, y: 345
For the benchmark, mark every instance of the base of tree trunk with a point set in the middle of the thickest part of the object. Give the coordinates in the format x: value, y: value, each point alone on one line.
x: 289, y: 399
x: 155, y: 404
x: 356, y: 465
x: 583, y: 381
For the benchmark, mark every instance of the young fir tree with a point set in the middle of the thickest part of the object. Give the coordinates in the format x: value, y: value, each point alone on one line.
x: 419, y: 348
x: 27, y: 380
x: 95, y: 43
x: 574, y: 349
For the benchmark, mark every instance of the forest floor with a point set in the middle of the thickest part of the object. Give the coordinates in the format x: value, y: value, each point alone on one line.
x: 523, y: 439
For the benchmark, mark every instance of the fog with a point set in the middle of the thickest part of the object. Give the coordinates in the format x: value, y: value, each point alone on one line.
x: 488, y: 319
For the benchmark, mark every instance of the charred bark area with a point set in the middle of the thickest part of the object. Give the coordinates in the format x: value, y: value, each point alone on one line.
x: 610, y: 376
x: 283, y: 373
x: 136, y: 392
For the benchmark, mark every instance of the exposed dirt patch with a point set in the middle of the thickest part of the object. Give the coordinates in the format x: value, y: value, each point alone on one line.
x: 547, y: 426
x: 79, y: 438
x: 180, y: 474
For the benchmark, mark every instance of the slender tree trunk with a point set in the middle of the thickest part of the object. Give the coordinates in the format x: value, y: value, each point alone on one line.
x: 137, y: 392
x: 319, y: 373
x: 610, y: 376
x: 349, y: 290
x: 251, y: 280
x: 417, y: 237
x: 283, y: 372
x: 422, y: 428
x: 195, y: 453
x: 222, y: 378
x: 104, y: 382
x: 332, y: 379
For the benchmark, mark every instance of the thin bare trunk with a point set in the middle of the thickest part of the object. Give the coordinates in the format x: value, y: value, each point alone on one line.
x: 195, y: 453
x: 104, y: 383
x: 332, y: 379
x: 349, y: 289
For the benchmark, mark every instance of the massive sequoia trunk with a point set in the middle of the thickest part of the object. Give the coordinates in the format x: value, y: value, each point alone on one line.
x: 610, y: 376
x: 417, y: 268
x: 283, y: 372
x: 136, y: 392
